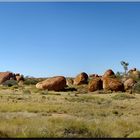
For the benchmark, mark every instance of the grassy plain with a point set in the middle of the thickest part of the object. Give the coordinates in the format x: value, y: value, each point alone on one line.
x: 29, y: 112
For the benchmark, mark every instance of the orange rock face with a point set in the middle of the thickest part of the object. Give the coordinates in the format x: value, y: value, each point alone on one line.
x: 129, y: 83
x: 80, y: 79
x: 109, y: 73
x: 55, y: 83
x: 95, y: 84
x: 112, y: 84
x: 4, y: 76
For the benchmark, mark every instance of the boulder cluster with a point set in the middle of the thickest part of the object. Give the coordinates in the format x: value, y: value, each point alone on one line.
x: 108, y: 81
x: 4, y: 76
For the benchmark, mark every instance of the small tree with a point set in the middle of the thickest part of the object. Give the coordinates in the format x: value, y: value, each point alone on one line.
x: 125, y: 66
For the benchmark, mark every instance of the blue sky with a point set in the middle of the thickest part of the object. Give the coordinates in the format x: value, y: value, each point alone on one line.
x: 48, y: 39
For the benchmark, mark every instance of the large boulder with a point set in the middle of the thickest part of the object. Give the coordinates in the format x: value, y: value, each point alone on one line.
x: 129, y: 83
x: 112, y: 84
x: 54, y: 83
x: 95, y: 84
x: 4, y: 76
x: 81, y: 78
x: 109, y: 73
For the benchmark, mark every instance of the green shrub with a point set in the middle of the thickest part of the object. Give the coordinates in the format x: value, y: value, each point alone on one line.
x: 10, y: 83
x: 31, y: 81
x: 136, y: 87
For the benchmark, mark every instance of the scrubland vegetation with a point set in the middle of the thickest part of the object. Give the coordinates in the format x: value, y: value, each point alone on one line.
x: 26, y: 111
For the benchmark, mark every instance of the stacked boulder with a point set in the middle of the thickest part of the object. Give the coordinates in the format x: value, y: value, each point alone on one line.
x: 109, y: 73
x: 81, y: 78
x: 110, y: 82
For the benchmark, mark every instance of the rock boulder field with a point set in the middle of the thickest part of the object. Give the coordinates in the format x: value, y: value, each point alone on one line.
x: 112, y: 84
x: 95, y: 84
x: 81, y: 78
x: 57, y: 83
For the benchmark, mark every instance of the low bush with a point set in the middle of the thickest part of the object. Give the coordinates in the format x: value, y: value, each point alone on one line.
x: 122, y: 96
x: 10, y: 83
x: 31, y: 81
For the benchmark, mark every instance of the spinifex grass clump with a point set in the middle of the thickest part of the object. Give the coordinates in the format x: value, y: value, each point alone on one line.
x: 122, y: 96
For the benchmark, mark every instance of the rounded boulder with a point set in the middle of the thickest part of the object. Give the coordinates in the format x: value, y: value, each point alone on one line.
x: 54, y: 83
x: 129, y: 83
x: 109, y: 73
x: 95, y: 84
x: 81, y: 78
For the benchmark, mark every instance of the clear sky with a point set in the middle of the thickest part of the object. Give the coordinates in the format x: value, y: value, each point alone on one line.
x: 49, y: 39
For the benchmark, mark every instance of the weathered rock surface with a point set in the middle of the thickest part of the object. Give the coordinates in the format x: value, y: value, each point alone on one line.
x: 95, y: 84
x: 81, y: 78
x: 129, y: 83
x: 109, y: 73
x: 55, y: 83
x: 112, y: 84
x: 4, y: 76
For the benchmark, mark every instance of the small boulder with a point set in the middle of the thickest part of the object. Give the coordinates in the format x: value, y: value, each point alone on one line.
x: 95, y: 84
x: 54, y: 83
x: 135, y: 74
x: 109, y: 73
x: 81, y: 78
x: 129, y: 83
